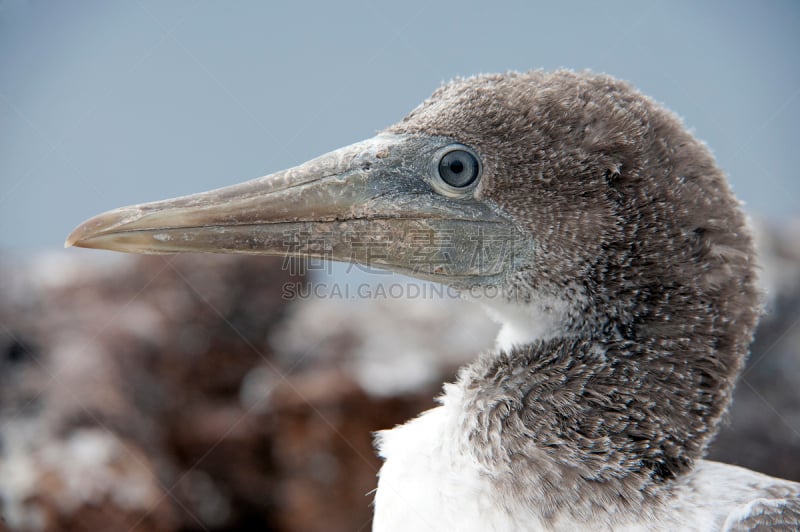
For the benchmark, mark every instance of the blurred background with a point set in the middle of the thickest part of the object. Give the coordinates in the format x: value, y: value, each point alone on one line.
x: 190, y: 393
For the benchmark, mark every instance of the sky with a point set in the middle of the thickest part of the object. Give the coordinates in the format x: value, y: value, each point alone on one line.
x: 104, y: 104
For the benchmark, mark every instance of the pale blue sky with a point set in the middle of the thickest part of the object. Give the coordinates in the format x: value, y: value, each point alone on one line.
x: 104, y: 104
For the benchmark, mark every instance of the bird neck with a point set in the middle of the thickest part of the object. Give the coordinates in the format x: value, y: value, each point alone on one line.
x: 560, y: 418
x: 589, y: 408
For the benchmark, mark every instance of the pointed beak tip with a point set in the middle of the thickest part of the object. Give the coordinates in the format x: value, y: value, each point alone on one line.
x: 95, y: 226
x: 82, y: 233
x: 74, y: 239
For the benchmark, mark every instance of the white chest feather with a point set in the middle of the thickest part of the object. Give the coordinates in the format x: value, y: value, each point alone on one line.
x: 429, y: 484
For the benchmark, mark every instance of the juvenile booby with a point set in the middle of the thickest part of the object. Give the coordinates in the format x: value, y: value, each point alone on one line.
x: 605, y: 239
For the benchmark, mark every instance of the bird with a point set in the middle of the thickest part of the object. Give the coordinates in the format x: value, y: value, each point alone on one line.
x: 606, y: 241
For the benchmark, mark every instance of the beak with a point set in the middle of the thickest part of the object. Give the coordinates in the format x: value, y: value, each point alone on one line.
x: 370, y: 203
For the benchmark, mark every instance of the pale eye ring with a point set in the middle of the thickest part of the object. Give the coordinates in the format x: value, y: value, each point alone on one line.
x: 457, y: 170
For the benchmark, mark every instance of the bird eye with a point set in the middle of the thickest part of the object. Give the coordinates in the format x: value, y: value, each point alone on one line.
x: 457, y: 169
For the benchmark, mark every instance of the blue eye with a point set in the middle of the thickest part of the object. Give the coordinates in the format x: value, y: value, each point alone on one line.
x: 459, y: 168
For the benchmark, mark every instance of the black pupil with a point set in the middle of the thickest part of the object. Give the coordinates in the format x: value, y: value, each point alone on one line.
x: 458, y: 168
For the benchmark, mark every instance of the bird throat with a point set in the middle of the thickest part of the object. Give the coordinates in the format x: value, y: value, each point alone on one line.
x: 543, y: 318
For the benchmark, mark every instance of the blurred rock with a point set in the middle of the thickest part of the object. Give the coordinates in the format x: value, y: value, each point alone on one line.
x: 763, y: 432
x: 143, y: 394
x: 186, y: 393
